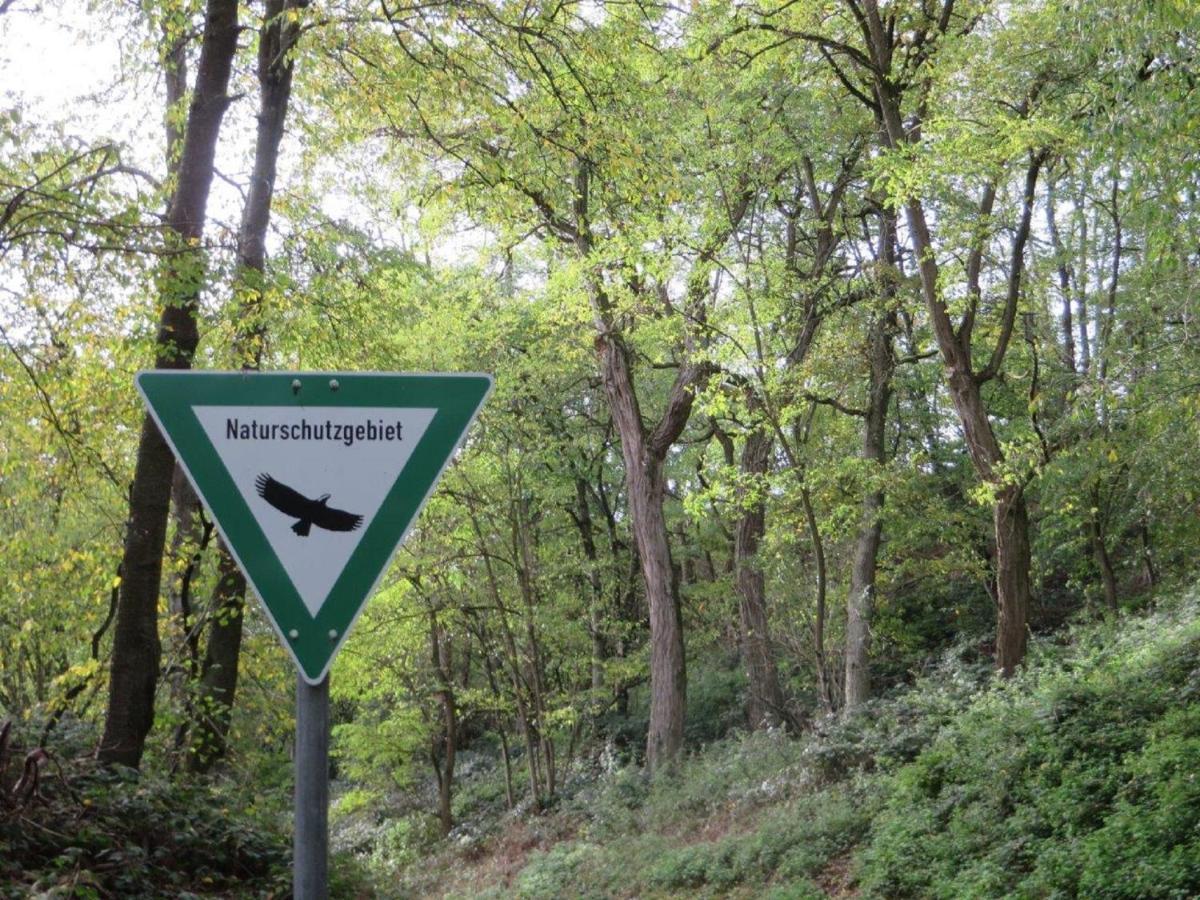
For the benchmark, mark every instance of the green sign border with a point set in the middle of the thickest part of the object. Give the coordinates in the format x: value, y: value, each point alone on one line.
x: 171, y: 395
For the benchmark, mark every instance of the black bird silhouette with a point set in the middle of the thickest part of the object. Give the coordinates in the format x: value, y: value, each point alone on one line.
x: 310, y: 512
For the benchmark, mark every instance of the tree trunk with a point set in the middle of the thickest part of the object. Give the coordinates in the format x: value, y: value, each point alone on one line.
x: 219, y: 674
x: 646, y: 487
x: 1062, y: 264
x: 860, y: 603
x: 521, y: 531
x: 1147, y: 552
x: 1012, y: 577
x: 136, y: 650
x: 508, y: 773
x: 181, y: 605
x: 184, y: 555
x: 583, y: 521
x: 443, y: 757
x: 185, y: 542
x: 1081, y: 289
x: 824, y: 690
x: 1010, y: 521
x: 1108, y: 579
x: 764, y: 705
x: 1097, y: 539
x: 515, y: 671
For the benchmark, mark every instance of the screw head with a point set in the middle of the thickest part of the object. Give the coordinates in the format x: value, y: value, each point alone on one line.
x: 333, y: 384
x: 295, y: 385
x: 293, y: 634
x: 333, y: 634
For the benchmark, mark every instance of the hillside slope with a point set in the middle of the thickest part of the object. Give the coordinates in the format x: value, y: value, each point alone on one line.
x: 1080, y: 777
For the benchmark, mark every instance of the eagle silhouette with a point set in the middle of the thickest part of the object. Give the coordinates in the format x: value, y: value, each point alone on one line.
x: 292, y: 503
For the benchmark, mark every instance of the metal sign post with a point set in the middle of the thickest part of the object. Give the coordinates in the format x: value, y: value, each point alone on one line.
x: 310, y: 844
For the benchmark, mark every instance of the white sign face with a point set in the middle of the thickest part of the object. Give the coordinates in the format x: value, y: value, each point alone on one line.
x: 314, y: 477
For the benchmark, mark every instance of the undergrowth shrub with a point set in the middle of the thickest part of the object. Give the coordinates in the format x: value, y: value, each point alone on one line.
x: 1152, y: 837
x: 565, y: 870
x: 716, y: 703
x: 751, y: 792
x: 792, y: 843
x: 1071, y: 780
x: 98, y: 833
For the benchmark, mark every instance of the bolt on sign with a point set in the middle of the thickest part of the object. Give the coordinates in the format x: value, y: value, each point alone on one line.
x: 313, y: 479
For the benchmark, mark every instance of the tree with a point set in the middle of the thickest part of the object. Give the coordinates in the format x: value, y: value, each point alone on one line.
x: 965, y: 381
x: 881, y: 363
x: 219, y: 671
x: 136, y: 649
x: 573, y: 157
x: 765, y: 704
x: 885, y: 59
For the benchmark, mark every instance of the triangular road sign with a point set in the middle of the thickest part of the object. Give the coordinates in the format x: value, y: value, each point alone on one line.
x: 313, y: 479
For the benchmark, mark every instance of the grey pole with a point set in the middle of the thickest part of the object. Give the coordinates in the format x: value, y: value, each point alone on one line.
x: 310, y: 845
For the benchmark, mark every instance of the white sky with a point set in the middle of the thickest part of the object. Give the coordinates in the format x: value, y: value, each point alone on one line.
x: 45, y: 61
x: 94, y: 74
x: 54, y: 69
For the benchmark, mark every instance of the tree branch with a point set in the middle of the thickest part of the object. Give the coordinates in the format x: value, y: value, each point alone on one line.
x: 975, y: 265
x: 1016, y: 267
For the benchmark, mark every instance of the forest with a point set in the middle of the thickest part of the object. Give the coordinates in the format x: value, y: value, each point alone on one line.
x: 830, y: 529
